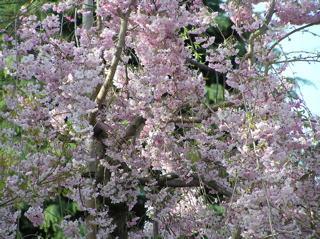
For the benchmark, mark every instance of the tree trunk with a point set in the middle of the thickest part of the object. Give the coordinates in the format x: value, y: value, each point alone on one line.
x: 87, y: 23
x: 119, y: 213
x: 87, y: 19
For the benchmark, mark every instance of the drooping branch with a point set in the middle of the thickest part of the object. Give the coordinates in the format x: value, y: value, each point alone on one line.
x: 103, y: 90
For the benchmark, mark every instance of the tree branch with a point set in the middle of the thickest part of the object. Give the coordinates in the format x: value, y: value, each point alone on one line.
x: 290, y: 33
x: 268, y: 18
x: 133, y: 127
x: 173, y: 180
x: 250, y: 54
x: 199, y: 65
x: 225, y: 103
x: 102, y: 92
x: 315, y: 58
x: 212, y: 108
x: 185, y: 119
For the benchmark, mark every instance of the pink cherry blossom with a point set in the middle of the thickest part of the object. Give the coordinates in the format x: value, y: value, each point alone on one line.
x: 257, y: 147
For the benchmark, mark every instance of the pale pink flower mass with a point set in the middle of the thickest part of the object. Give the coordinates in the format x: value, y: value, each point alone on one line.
x: 257, y: 144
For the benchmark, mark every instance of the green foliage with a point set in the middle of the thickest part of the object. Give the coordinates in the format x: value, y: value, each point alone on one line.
x: 10, y: 13
x: 304, y: 82
x: 194, y: 156
x: 215, y: 93
x: 213, y: 4
x: 54, y: 211
x: 217, y: 208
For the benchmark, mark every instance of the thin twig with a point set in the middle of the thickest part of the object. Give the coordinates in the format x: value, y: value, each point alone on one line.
x: 295, y: 60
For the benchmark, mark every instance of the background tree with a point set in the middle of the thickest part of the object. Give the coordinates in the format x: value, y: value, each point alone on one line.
x: 120, y: 109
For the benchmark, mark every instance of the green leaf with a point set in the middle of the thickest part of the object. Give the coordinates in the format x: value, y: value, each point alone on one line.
x: 194, y: 157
